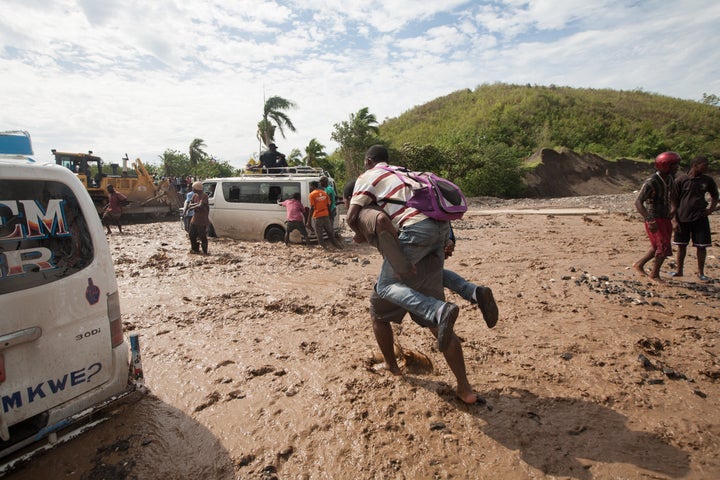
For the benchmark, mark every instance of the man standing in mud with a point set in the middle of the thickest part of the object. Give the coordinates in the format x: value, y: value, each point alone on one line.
x: 320, y: 215
x: 200, y: 205
x: 295, y: 212
x: 423, y: 241
x: 325, y: 185
x: 113, y: 209
x: 692, y: 214
x: 656, y: 203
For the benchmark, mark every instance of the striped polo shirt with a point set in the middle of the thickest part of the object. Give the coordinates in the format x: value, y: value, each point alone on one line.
x: 378, y: 186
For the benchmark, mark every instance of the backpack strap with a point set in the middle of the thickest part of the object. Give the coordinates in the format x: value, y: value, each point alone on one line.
x: 403, y: 179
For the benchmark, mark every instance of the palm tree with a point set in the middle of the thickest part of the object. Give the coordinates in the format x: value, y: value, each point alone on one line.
x: 294, y: 157
x: 197, y: 154
x: 364, y: 123
x: 274, y: 117
x: 354, y: 137
x: 314, y: 152
x: 265, y: 132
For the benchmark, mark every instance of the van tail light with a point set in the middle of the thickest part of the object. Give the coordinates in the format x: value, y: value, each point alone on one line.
x: 116, y: 330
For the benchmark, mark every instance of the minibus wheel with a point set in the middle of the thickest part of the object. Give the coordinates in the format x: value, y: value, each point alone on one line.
x: 274, y: 234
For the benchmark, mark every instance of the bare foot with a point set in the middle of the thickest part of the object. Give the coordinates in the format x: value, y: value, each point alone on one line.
x: 639, y: 269
x: 469, y: 397
x: 658, y: 280
x: 384, y: 367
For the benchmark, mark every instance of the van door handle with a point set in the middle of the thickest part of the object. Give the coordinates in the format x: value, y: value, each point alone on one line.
x: 21, y: 336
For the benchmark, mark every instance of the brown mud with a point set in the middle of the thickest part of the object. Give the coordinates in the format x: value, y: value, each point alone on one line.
x: 260, y: 361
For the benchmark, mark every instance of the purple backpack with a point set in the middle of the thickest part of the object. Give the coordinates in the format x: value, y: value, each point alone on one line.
x: 434, y: 196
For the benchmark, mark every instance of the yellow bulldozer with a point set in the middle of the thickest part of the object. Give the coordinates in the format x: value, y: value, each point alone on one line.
x: 134, y: 182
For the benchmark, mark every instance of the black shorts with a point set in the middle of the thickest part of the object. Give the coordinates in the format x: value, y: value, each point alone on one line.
x: 698, y: 230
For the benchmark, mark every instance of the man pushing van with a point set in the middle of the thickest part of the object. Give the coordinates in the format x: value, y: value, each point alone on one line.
x: 200, y: 204
x: 320, y: 214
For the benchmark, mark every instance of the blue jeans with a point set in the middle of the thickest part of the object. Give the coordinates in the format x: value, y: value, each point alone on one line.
x: 454, y: 282
x: 417, y: 241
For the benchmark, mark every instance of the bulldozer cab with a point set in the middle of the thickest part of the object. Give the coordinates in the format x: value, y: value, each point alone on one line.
x: 86, y: 166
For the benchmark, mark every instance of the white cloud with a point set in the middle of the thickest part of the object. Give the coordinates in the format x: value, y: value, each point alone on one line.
x: 140, y: 77
x: 438, y: 40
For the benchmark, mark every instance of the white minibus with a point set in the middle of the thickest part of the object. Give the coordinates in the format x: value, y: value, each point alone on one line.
x: 246, y: 207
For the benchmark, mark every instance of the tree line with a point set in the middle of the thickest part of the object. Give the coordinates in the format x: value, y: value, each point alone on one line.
x: 481, y: 138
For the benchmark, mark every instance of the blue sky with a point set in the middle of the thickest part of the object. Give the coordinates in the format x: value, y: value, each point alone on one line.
x: 139, y: 77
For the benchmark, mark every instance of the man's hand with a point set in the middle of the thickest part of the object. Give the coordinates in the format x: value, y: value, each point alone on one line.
x: 652, y: 226
x: 449, y: 249
x: 352, y: 219
x: 359, y: 238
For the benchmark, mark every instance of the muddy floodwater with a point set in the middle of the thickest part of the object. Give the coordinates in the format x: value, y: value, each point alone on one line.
x: 260, y: 361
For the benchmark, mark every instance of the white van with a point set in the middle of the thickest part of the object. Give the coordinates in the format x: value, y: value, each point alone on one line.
x: 246, y: 207
x: 62, y: 351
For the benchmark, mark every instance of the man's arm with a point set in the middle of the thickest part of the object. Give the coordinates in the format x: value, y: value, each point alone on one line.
x: 353, y: 221
x: 640, y: 207
x: 712, y: 206
x: 200, y: 200
x: 713, y: 198
x: 673, y: 213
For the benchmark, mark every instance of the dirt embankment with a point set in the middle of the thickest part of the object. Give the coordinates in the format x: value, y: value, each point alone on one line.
x: 566, y: 174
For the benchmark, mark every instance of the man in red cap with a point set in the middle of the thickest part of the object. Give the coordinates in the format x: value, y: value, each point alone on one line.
x: 656, y: 203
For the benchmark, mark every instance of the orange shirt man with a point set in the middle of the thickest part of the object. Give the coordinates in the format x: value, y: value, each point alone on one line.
x: 319, y: 202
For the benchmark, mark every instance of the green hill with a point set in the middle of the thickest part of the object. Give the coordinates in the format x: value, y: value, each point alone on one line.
x: 482, y: 137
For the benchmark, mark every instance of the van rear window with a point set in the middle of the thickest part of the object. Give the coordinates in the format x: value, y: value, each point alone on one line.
x: 43, y: 234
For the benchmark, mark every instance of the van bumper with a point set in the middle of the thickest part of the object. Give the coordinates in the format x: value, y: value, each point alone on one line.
x: 75, y: 411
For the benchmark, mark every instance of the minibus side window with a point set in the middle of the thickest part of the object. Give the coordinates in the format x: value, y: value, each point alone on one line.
x: 44, y: 236
x: 209, y: 189
x: 275, y: 192
x: 258, y: 192
x: 232, y: 193
x: 290, y: 188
